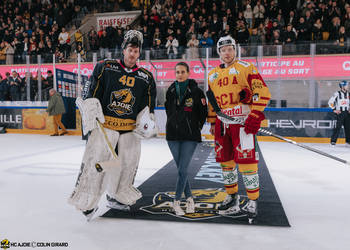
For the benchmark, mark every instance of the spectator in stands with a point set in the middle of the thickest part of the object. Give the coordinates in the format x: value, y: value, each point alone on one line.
x: 259, y: 13
x: 2, y: 53
x: 64, y: 40
x: 47, y: 84
x: 289, y: 38
x: 181, y: 37
x: 192, y: 46
x: 276, y: 38
x: 93, y: 40
x: 248, y: 15
x: 341, y: 39
x: 33, y: 87
x: 80, y: 50
x: 206, y: 42
x: 78, y: 35
x: 254, y: 41
x: 15, y: 84
x: 9, y: 53
x: 4, y: 88
x: 317, y: 31
x: 56, y: 109
x: 147, y: 39
x: 157, y: 50
x: 104, y: 43
x: 172, y: 45
x: 334, y: 29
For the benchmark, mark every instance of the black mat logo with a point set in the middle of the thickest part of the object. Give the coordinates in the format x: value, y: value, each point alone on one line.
x: 206, y: 201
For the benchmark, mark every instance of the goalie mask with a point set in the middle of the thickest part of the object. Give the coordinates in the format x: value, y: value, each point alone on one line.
x: 225, y: 41
x: 133, y: 37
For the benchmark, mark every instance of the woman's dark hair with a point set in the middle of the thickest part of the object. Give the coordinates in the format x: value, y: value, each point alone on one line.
x: 183, y: 64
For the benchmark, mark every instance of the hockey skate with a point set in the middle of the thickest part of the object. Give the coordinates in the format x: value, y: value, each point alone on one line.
x: 98, y: 211
x: 251, y: 209
x: 114, y: 204
x: 230, y: 205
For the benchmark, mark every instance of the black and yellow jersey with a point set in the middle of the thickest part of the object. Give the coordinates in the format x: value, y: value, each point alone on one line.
x: 123, y: 92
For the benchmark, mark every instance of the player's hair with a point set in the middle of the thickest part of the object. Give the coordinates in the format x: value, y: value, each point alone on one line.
x: 183, y: 64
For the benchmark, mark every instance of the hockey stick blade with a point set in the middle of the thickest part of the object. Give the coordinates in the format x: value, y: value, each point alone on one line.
x: 217, y: 109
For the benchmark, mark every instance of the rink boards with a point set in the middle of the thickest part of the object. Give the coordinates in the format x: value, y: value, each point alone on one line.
x: 301, y: 124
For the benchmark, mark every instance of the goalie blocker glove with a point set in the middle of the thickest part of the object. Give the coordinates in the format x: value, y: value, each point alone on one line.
x: 253, y: 121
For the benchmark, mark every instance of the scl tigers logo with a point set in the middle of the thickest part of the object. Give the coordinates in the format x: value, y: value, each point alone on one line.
x: 206, y: 201
x: 121, y: 102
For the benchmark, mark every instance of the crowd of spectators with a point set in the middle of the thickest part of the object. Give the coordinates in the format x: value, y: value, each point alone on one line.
x: 15, y: 88
x: 174, y: 28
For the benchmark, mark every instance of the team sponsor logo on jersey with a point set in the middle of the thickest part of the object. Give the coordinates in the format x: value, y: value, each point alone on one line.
x: 238, y: 110
x: 143, y: 75
x: 233, y: 71
x: 206, y: 201
x: 121, y: 102
x: 112, y: 66
x: 213, y: 76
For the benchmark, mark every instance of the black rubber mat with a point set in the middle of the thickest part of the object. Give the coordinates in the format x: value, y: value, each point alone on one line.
x: 208, y: 192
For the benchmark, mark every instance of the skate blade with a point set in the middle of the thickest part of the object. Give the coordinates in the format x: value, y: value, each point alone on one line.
x: 100, y: 210
x: 230, y: 212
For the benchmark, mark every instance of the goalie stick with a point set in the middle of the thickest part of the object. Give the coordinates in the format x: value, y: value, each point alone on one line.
x: 217, y: 109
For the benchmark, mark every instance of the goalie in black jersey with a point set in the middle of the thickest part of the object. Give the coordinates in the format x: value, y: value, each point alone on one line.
x: 118, y: 109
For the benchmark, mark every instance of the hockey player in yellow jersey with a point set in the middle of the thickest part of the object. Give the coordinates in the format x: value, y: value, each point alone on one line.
x: 242, y: 94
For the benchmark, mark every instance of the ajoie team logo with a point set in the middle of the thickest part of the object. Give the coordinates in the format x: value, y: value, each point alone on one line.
x: 206, y: 201
x: 121, y: 102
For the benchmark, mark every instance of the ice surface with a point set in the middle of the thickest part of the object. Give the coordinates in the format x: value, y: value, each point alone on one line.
x: 38, y: 173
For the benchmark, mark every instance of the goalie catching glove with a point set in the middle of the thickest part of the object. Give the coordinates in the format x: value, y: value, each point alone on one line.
x: 145, y: 124
x: 253, y: 121
x: 91, y: 111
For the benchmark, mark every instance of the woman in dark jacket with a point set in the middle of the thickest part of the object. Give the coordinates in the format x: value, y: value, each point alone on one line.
x: 186, y: 110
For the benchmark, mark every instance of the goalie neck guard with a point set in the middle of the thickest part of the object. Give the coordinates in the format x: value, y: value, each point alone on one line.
x: 133, y: 37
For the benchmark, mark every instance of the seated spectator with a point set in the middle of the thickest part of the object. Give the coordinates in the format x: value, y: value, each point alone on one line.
x: 317, y: 31
x: 172, y: 45
x: 254, y: 41
x: 2, y: 53
x: 80, y: 50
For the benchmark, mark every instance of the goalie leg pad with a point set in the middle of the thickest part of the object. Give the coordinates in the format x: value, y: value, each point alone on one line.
x: 90, y: 183
x: 129, y: 148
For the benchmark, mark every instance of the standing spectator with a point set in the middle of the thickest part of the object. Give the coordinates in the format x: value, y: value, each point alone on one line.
x: 186, y: 111
x: 47, y: 85
x: 64, y: 40
x: 171, y: 45
x: 254, y: 42
x: 339, y: 103
x: 259, y: 13
x: 4, y: 88
x: 56, y: 109
x: 192, y: 46
x: 93, y: 40
x: 181, y: 37
x: 104, y: 44
x: 206, y: 42
x: 289, y: 38
x: 317, y: 31
x: 248, y: 15
x: 9, y: 53
x: 78, y: 35
x: 15, y: 83
x: 242, y: 34
x: 2, y: 53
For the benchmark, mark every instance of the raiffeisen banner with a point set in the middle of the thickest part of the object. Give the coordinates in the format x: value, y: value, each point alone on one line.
x: 319, y: 67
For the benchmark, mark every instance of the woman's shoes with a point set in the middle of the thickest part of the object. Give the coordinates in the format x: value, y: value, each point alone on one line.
x: 178, y: 210
x: 64, y: 132
x: 55, y: 134
x: 189, y: 205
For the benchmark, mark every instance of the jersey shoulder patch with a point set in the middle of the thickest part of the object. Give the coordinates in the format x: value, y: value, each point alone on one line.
x: 213, y: 75
x: 243, y: 63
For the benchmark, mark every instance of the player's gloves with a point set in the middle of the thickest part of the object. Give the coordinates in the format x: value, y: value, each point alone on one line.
x: 253, y: 121
x: 245, y: 96
x: 90, y: 110
x: 145, y: 124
